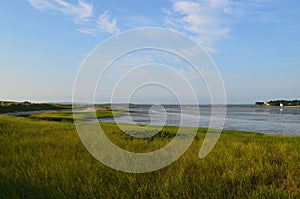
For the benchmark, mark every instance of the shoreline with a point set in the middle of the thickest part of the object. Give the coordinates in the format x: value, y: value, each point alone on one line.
x: 280, y: 107
x: 201, y: 128
x: 104, y: 120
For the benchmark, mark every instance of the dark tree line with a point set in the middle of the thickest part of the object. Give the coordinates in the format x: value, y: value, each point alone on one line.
x: 284, y: 102
x: 9, y: 107
x: 278, y: 102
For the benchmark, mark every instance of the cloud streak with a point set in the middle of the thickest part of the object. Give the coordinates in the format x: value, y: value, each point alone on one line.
x: 80, y: 12
x: 106, y: 24
x: 204, y: 20
x: 208, y: 21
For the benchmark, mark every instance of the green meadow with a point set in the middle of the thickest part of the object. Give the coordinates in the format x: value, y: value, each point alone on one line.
x: 68, y: 116
x: 46, y: 159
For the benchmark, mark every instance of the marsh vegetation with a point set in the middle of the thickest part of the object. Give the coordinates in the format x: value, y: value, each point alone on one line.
x: 46, y: 159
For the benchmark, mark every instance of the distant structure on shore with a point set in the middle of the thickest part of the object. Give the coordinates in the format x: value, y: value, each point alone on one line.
x: 279, y: 103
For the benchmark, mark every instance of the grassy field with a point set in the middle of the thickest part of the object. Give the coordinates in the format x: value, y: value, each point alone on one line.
x: 46, y: 159
x: 68, y: 116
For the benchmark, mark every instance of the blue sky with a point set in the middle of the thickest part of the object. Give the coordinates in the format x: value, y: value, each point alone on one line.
x: 254, y: 43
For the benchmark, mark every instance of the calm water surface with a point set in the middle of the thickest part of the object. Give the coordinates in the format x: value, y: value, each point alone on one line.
x: 285, y: 121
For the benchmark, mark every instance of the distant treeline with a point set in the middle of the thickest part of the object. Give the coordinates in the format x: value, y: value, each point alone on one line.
x: 8, y: 107
x: 278, y: 102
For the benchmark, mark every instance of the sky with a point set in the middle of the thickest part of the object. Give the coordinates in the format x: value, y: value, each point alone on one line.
x: 254, y: 44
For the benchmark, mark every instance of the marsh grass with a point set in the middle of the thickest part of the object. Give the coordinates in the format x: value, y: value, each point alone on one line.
x: 44, y: 159
x: 68, y: 116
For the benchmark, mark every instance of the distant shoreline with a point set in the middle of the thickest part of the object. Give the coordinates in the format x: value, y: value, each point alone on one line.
x: 277, y: 106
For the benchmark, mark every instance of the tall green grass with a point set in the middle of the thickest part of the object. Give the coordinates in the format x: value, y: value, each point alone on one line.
x: 68, y: 116
x: 44, y: 159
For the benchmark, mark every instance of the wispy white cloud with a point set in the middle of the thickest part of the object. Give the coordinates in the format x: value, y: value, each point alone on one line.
x: 41, y: 4
x: 81, y: 13
x: 204, y: 20
x: 105, y: 23
x: 209, y: 21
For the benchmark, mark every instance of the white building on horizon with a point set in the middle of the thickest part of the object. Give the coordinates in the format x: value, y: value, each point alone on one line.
x: 281, y: 105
